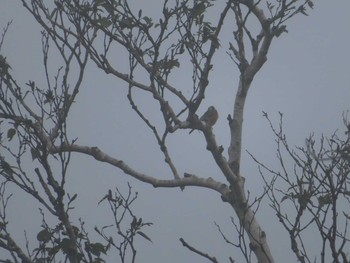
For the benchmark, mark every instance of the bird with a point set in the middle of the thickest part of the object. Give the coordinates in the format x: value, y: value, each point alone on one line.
x: 209, y: 117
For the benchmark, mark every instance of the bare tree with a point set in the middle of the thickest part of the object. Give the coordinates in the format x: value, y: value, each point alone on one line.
x: 34, y: 117
x: 312, y: 196
x: 183, y: 35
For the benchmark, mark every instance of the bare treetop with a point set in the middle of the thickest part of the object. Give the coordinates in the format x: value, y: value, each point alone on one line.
x: 149, y: 55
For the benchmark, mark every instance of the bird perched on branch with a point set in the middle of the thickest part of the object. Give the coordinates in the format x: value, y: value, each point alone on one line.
x: 209, y: 117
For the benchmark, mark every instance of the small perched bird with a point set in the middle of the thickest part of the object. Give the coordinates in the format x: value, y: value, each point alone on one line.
x: 209, y: 117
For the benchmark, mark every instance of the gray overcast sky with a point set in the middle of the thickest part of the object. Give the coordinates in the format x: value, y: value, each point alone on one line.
x: 307, y: 77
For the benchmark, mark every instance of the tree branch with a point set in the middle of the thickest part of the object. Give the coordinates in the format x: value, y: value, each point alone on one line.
x: 205, y: 255
x: 188, y: 180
